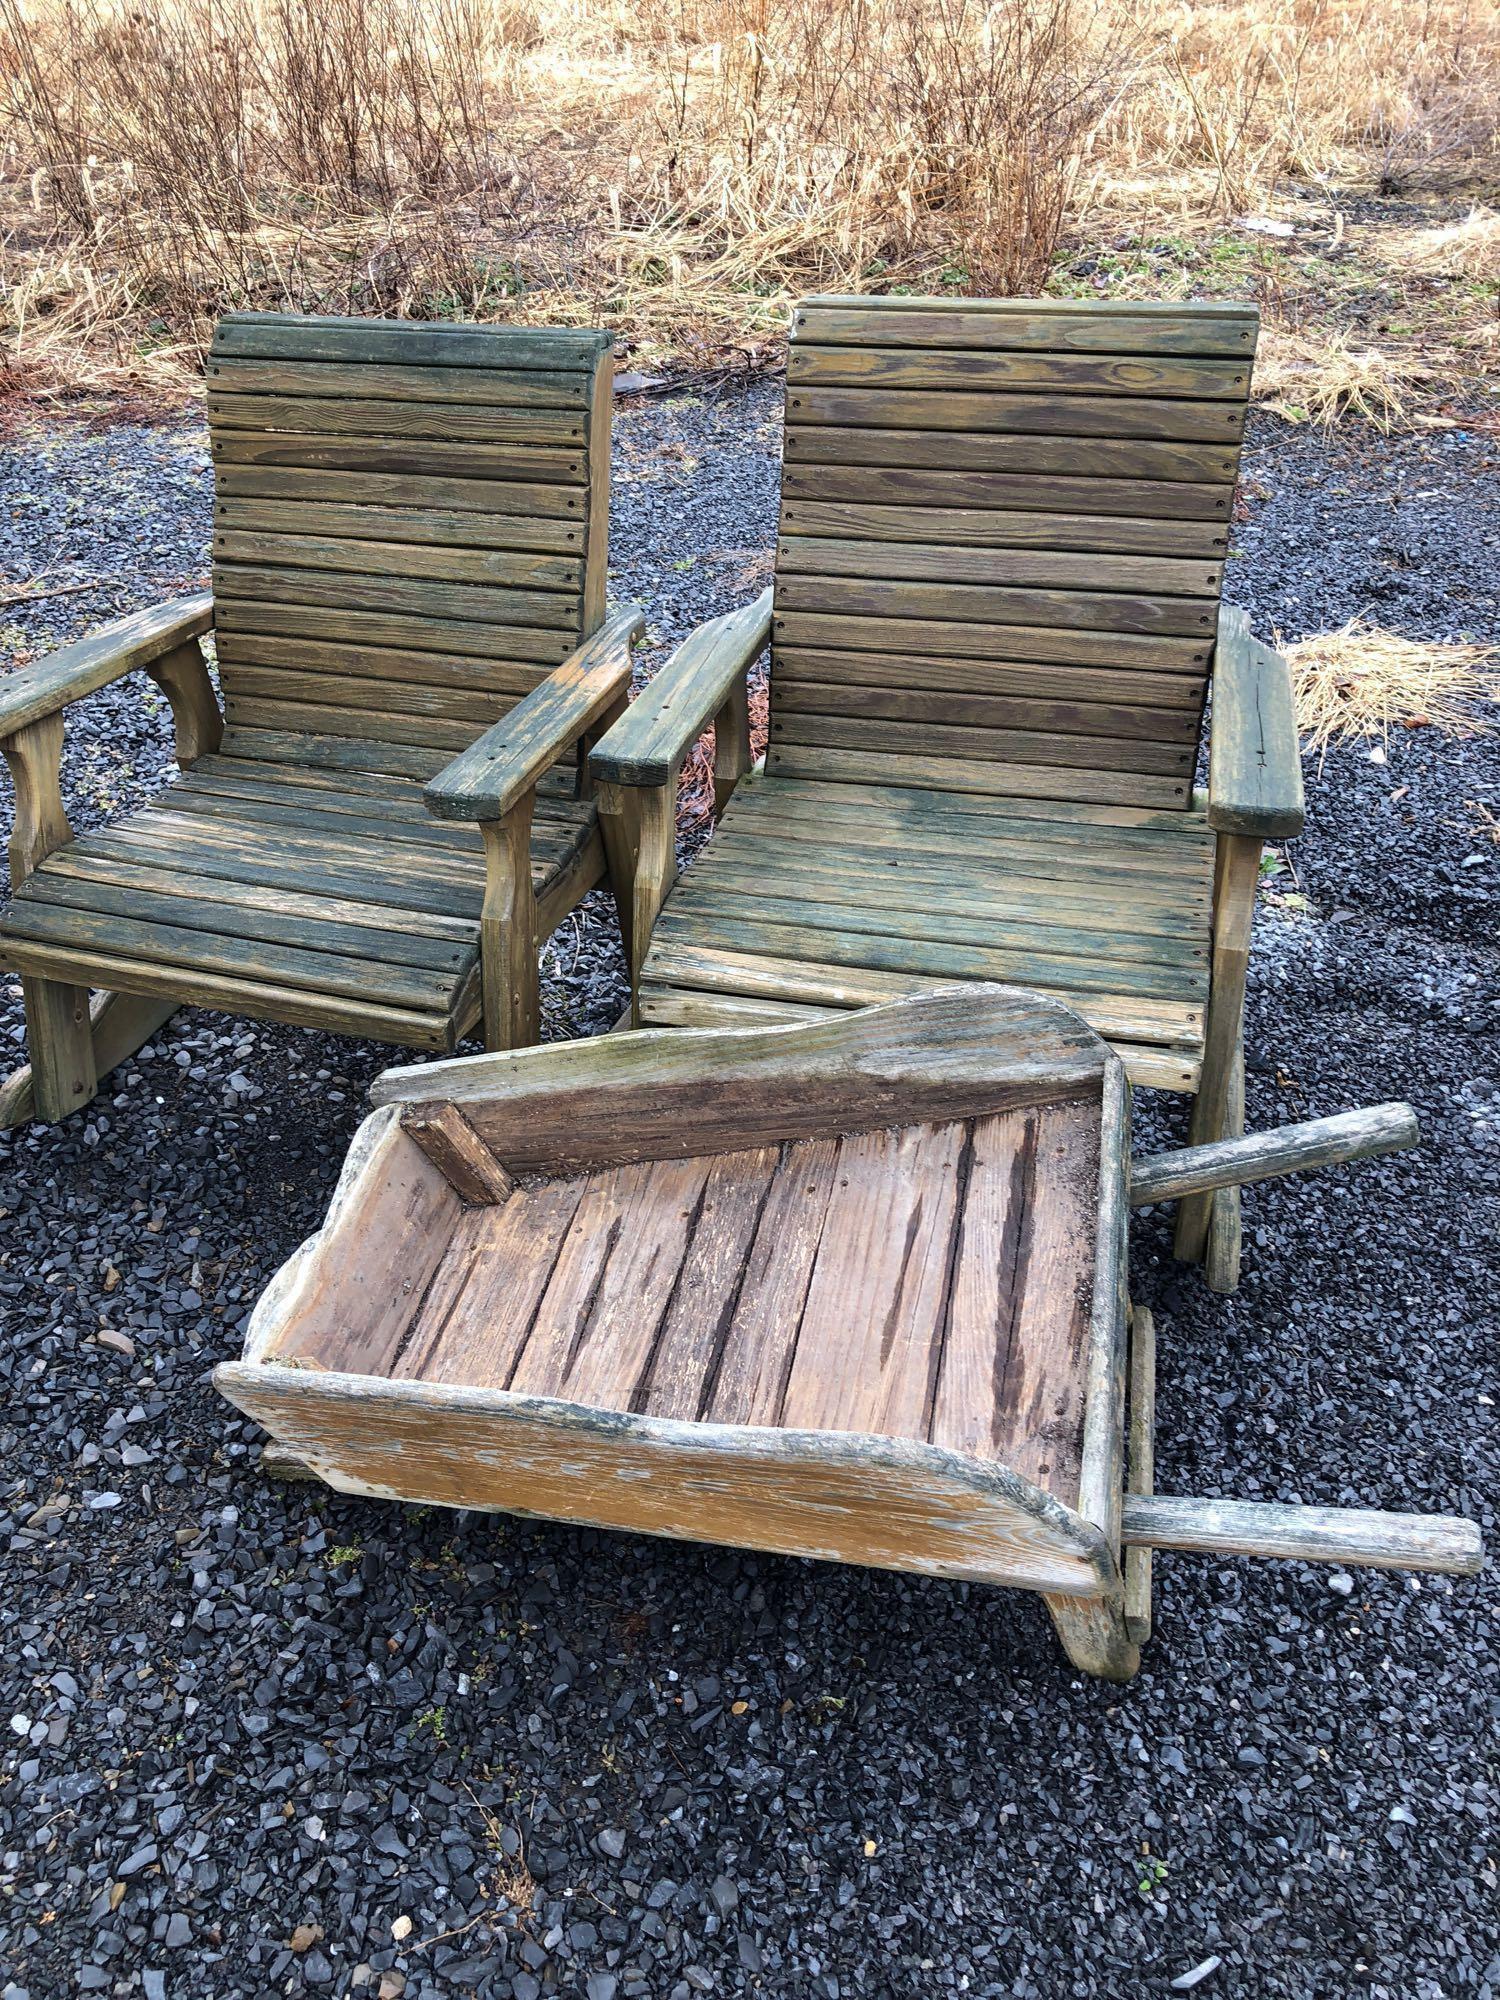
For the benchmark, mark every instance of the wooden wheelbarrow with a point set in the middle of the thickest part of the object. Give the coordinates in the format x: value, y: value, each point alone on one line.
x: 854, y: 1289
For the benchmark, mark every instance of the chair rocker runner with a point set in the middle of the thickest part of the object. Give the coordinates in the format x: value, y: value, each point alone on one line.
x: 995, y: 615
x: 410, y: 548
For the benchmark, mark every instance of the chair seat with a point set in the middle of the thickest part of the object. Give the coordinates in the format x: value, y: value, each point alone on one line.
x: 324, y: 897
x: 816, y: 896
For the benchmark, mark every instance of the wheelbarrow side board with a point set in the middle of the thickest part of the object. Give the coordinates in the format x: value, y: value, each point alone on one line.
x: 853, y: 1289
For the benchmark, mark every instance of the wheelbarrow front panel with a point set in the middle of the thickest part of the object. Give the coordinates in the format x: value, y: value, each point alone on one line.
x: 883, y: 1502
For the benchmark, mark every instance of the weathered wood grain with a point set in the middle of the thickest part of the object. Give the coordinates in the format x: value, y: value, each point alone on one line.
x: 501, y: 500
x: 446, y: 459
x: 810, y: 363
x: 1259, y: 1156
x: 661, y: 1095
x: 1446, y: 1544
x: 498, y: 387
x: 458, y: 1152
x: 685, y: 1364
x: 1174, y: 1025
x: 255, y: 998
x: 597, y: 1322
x: 303, y: 549
x: 883, y: 1502
x: 975, y: 774
x: 648, y: 743
x: 960, y: 521
x: 1140, y: 1467
x: 1046, y: 568
x: 1255, y: 770
x: 198, y: 725
x: 869, y: 1336
x: 305, y: 337
x: 1086, y: 326
x: 1216, y: 424
x: 748, y: 1383
x: 1164, y: 501
x: 486, y: 781
x: 1010, y: 1377
x: 348, y: 1296
x: 484, y: 1298
x: 28, y: 694
x: 1102, y: 1470
x: 893, y: 445
x: 912, y: 630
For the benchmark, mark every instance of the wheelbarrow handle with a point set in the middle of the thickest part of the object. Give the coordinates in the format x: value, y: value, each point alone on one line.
x: 1446, y: 1543
x: 1259, y: 1156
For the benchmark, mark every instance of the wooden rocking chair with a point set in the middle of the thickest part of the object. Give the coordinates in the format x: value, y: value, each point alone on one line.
x: 410, y: 547
x: 995, y: 616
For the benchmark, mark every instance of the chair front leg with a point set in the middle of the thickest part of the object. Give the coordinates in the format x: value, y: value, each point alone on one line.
x: 1237, y: 873
x: 62, y: 1073
x: 509, y: 977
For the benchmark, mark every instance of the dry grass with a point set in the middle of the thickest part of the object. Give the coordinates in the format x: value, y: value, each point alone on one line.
x: 682, y: 168
x: 1363, y: 681
x: 1468, y: 249
x: 1319, y: 377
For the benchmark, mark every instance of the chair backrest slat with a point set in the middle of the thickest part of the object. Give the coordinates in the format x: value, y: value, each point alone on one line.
x: 411, y: 523
x: 1002, y: 538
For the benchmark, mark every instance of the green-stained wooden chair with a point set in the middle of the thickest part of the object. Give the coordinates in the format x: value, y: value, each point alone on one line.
x: 995, y: 616
x: 409, y: 557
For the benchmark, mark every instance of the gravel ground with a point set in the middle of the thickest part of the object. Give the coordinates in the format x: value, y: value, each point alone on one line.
x: 260, y: 1740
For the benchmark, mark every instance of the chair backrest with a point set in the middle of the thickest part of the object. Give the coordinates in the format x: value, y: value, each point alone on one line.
x: 410, y: 528
x: 1002, y: 539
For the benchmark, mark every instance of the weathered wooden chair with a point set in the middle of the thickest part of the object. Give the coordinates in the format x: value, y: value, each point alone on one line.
x: 995, y: 615
x: 410, y: 546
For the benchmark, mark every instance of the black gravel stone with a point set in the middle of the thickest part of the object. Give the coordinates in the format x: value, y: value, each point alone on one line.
x: 261, y: 1740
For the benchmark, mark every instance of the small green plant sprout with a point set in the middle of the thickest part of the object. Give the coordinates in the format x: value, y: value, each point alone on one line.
x: 435, y: 1719
x: 346, y: 1552
x: 1151, y: 1873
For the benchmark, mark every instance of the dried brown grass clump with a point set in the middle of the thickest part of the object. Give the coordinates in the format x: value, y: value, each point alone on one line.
x: 1363, y: 681
x: 679, y: 168
x: 1320, y: 377
x: 1469, y: 249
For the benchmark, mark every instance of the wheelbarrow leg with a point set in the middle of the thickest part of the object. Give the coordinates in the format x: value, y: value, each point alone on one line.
x: 1093, y: 1635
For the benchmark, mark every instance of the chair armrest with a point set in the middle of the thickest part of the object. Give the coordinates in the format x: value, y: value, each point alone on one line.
x: 1254, y: 767
x: 655, y: 733
x: 49, y: 684
x: 498, y: 770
